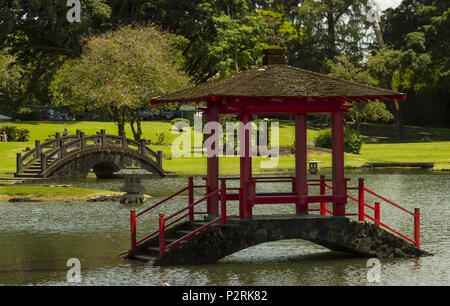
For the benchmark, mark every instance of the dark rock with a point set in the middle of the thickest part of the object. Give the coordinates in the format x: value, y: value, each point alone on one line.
x: 23, y: 200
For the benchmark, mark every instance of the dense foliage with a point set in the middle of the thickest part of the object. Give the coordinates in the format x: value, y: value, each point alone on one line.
x: 119, y: 72
x: 15, y: 134
x: 222, y: 37
x: 352, y: 141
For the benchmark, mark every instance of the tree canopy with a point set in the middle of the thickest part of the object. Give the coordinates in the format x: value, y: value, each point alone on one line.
x: 119, y: 72
x: 225, y: 36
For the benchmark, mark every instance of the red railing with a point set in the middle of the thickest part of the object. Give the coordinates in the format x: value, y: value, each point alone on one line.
x: 189, y: 210
x: 377, y: 212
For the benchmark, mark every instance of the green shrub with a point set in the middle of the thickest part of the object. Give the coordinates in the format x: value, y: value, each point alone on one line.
x: 22, y: 135
x: 352, y: 141
x: 27, y: 114
x: 324, y: 139
x: 160, y: 138
x: 11, y: 132
x: 15, y: 134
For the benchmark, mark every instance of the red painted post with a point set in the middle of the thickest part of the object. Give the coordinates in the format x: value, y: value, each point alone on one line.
x: 223, y: 201
x: 417, y: 226
x: 133, y: 229
x: 337, y: 131
x: 323, y: 191
x: 212, y: 164
x: 245, y: 208
x: 301, y: 171
x: 191, y: 198
x: 361, y: 199
x: 377, y: 212
x: 162, y: 239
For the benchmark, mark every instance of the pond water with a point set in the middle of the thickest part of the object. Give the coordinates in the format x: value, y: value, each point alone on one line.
x: 37, y: 239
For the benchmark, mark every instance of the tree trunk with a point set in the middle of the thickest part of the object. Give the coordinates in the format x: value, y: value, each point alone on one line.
x: 236, y: 58
x: 331, y: 35
x: 399, y: 124
x: 120, y: 119
x: 137, y: 132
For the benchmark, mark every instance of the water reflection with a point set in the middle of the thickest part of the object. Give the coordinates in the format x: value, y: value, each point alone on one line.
x: 38, y: 238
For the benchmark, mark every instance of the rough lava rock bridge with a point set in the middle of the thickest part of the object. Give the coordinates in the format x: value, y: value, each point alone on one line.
x: 218, y: 241
x: 75, y: 155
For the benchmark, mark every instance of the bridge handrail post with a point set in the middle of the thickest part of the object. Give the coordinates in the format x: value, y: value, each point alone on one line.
x: 377, y: 213
x: 57, y: 138
x: 142, y: 146
x: 159, y: 158
x: 19, y: 162
x: 82, y: 140
x: 323, y: 191
x: 223, y: 200
x: 361, y: 199
x: 191, y: 198
x: 38, y: 149
x: 103, y: 134
x: 133, y: 229
x: 43, y: 162
x: 162, y: 239
x: 417, y: 227
x: 124, y: 141
x: 61, y: 149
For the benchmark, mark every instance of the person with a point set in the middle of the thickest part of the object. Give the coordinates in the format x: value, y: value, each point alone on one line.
x: 65, y: 133
x: 51, y: 114
x: 4, y: 136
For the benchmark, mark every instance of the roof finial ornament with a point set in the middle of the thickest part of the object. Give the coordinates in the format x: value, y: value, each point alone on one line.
x: 274, y: 55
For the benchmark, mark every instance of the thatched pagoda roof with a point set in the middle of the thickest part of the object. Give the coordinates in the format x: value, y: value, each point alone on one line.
x: 282, y: 82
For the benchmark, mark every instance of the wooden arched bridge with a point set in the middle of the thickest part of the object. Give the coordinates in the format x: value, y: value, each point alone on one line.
x: 75, y: 155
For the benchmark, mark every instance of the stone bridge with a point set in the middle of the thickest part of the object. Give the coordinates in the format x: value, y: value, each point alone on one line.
x: 74, y: 156
x: 217, y: 241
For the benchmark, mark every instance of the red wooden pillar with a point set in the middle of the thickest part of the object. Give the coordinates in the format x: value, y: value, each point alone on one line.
x: 212, y: 176
x: 339, y: 189
x: 301, y: 185
x: 245, y: 207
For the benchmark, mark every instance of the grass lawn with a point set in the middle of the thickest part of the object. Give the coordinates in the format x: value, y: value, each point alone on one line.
x: 49, y: 194
x: 379, y: 146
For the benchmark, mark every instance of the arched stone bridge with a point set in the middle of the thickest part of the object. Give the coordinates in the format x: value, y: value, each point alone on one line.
x: 74, y: 156
x: 218, y: 241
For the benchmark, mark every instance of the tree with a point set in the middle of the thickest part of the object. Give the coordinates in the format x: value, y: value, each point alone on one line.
x: 224, y: 36
x: 239, y: 42
x: 119, y: 72
x: 41, y: 38
x: 330, y: 28
x: 11, y: 88
x: 360, y: 112
x: 419, y: 29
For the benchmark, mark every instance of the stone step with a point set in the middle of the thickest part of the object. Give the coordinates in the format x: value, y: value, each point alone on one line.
x: 197, y: 224
x: 153, y: 251
x: 170, y: 240
x: 31, y: 171
x: 182, y: 233
x: 144, y: 257
x: 27, y: 175
x: 34, y: 167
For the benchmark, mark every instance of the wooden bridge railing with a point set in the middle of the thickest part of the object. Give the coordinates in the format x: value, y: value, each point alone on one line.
x: 57, y: 148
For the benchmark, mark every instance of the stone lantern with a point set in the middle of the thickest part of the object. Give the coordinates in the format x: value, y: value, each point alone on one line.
x: 313, y: 168
x: 133, y: 187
